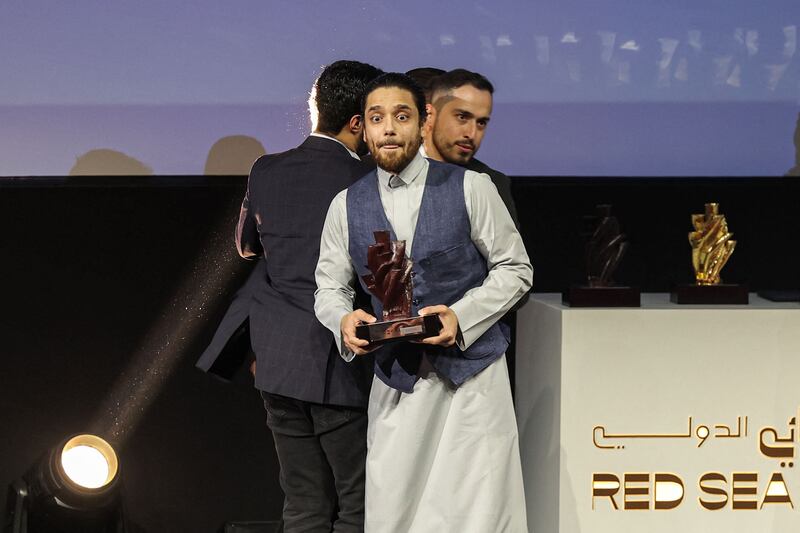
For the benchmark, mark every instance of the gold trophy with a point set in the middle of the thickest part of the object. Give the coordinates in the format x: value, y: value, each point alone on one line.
x: 712, y: 245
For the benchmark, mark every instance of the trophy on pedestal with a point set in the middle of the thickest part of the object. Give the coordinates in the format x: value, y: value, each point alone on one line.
x: 390, y: 281
x: 604, y: 251
x: 712, y: 246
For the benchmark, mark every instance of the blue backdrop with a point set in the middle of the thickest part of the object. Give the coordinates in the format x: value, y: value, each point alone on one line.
x: 620, y: 87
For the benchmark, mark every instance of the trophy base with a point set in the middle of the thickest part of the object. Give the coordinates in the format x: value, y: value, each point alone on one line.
x: 581, y: 296
x: 722, y: 294
x: 780, y: 296
x: 400, y: 329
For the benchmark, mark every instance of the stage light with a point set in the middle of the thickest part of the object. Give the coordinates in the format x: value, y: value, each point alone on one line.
x: 73, y: 488
x: 89, y: 461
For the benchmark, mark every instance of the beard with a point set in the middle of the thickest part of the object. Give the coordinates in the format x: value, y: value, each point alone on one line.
x: 395, y: 161
x: 362, y: 149
x: 449, y: 152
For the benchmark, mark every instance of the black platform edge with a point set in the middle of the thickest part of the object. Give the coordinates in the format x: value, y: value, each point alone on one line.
x: 579, y: 296
x: 93, y: 182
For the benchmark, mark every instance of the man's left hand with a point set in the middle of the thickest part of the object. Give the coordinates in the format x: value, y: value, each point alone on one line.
x: 447, y: 335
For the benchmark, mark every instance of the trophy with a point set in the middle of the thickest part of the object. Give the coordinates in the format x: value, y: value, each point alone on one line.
x: 712, y: 246
x: 390, y: 282
x: 604, y: 250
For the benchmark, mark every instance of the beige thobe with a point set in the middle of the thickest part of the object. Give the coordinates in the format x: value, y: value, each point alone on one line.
x: 439, y: 459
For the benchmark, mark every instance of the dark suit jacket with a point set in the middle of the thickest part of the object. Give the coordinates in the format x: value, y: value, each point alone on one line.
x: 282, y: 216
x: 501, y: 181
x: 228, y: 354
x: 503, y: 184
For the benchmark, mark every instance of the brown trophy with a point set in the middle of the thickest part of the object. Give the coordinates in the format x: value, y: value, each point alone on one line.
x: 390, y: 282
x: 604, y: 250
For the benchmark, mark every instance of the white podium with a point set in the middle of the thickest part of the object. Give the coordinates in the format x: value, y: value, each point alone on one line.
x: 665, y: 418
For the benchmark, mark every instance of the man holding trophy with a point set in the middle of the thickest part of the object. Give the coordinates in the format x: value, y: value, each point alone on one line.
x: 427, y: 238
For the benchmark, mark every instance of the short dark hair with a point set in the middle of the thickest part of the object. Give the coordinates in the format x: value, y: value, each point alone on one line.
x: 424, y: 77
x: 339, y: 91
x: 400, y: 81
x: 458, y: 78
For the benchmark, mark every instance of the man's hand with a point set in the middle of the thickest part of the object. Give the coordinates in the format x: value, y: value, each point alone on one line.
x: 348, y: 327
x: 447, y: 336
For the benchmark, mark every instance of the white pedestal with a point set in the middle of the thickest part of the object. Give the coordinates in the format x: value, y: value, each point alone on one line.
x: 654, y: 380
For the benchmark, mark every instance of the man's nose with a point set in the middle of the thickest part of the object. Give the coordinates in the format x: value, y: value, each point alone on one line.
x: 469, y: 129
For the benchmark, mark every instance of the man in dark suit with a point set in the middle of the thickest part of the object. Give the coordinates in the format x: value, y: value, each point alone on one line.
x: 459, y: 106
x: 315, y: 401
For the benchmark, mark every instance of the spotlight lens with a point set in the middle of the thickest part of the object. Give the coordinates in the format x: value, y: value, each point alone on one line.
x: 86, y: 466
x: 89, y: 461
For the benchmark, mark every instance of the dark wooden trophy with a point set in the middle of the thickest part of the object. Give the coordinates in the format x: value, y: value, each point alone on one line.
x: 604, y: 250
x: 390, y: 282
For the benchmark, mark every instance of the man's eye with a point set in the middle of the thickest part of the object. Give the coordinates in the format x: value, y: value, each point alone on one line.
x: 461, y: 116
x: 375, y: 118
x: 482, y: 123
x: 402, y: 117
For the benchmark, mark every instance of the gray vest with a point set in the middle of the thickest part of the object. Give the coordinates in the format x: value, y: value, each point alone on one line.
x: 446, y: 265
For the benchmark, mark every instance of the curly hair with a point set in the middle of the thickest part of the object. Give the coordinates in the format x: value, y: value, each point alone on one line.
x: 338, y: 92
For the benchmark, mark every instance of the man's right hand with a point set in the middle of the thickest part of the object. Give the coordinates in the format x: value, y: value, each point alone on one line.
x: 348, y: 327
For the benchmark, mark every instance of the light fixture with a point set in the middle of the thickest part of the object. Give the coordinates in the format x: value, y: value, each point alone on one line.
x: 73, y: 488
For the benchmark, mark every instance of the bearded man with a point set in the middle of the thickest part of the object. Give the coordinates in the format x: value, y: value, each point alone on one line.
x: 443, y: 451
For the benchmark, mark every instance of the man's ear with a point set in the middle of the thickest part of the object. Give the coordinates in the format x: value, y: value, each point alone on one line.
x: 430, y: 119
x: 356, y: 125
